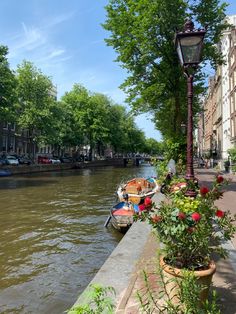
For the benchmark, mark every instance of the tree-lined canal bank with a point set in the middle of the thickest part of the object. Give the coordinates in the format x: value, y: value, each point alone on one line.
x: 52, y: 236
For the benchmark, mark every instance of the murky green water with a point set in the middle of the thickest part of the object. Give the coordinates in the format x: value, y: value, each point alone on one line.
x: 53, y: 239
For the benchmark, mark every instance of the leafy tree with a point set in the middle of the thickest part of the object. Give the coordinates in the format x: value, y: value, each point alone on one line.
x: 125, y: 137
x: 91, y: 115
x: 7, y: 87
x: 97, y: 121
x: 117, y: 127
x: 35, y: 102
x: 154, y: 147
x: 133, y: 138
x: 142, y: 33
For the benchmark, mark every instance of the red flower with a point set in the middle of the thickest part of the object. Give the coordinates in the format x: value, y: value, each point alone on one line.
x: 147, y: 201
x: 196, y: 216
x: 156, y: 218
x: 204, y: 190
x: 219, y: 179
x: 181, y: 215
x: 141, y: 207
x: 220, y: 213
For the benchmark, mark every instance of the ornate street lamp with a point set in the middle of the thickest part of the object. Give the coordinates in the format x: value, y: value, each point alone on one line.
x: 189, y: 44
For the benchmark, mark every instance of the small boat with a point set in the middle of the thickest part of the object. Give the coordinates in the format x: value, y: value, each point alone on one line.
x: 138, y: 189
x: 121, y: 215
x: 5, y: 173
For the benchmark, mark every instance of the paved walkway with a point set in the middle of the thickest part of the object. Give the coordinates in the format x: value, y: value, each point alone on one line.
x: 224, y: 280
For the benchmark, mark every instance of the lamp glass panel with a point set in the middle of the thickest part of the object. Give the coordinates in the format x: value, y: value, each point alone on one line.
x: 190, y: 40
x: 191, y: 49
x: 180, y: 53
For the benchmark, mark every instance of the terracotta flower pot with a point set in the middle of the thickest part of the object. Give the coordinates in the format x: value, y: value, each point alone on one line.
x: 204, y: 277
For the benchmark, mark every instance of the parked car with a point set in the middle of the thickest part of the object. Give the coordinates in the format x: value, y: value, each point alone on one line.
x: 55, y: 160
x: 66, y: 159
x: 44, y: 160
x: 12, y: 160
x: 24, y: 160
x: 3, y: 161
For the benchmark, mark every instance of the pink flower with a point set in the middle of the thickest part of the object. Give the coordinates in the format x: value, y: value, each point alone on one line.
x: 219, y: 179
x: 220, y: 213
x: 196, y: 216
x: 141, y: 207
x: 181, y: 215
x: 204, y: 190
x: 147, y: 202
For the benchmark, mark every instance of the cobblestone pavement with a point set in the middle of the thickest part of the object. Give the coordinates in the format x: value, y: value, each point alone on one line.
x: 224, y: 280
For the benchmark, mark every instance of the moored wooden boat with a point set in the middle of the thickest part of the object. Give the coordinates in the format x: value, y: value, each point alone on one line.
x: 122, y: 215
x: 138, y: 189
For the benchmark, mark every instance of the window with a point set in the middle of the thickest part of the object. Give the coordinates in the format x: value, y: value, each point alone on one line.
x: 4, y: 143
x: 12, y: 143
x: 5, y: 125
x: 13, y: 126
x: 231, y: 105
x: 233, y: 127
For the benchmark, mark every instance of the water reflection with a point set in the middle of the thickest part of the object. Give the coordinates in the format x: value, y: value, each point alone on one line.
x: 52, y: 236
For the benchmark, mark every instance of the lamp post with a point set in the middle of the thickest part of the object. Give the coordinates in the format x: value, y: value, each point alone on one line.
x: 189, y: 44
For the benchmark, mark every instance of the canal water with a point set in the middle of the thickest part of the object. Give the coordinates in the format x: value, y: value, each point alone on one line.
x: 53, y: 239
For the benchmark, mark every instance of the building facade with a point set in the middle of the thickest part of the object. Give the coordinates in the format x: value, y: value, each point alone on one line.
x: 13, y: 140
x: 232, y: 86
x: 219, y: 106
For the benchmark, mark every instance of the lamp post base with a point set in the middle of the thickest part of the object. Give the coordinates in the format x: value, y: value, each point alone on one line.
x: 192, y: 184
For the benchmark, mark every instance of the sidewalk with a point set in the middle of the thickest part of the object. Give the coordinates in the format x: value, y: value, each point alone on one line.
x: 224, y: 280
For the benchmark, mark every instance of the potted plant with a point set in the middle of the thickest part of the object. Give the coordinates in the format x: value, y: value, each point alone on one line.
x: 191, y: 230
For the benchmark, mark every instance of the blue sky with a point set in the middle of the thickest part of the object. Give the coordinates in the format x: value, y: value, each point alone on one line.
x: 64, y: 39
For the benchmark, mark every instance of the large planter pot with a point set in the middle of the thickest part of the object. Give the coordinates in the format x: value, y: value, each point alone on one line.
x: 171, y: 277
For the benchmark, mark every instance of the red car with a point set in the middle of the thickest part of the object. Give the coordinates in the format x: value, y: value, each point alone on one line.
x: 44, y: 160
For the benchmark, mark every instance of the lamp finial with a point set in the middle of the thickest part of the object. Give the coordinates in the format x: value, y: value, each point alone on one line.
x: 188, y: 26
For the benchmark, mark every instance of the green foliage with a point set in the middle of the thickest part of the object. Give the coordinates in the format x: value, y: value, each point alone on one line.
x: 158, y: 300
x: 161, y: 169
x: 175, y: 150
x: 232, y: 154
x: 142, y: 33
x: 7, y: 87
x: 233, y: 168
x: 90, y: 115
x: 35, y: 101
x: 154, y: 148
x: 99, y: 301
x: 101, y: 122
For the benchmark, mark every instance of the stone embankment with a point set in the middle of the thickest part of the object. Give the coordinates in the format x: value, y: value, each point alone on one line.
x: 119, y: 270
x: 24, y: 169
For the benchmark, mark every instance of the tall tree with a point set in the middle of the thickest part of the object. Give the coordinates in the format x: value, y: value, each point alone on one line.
x: 35, y: 101
x: 91, y: 115
x: 142, y: 34
x: 154, y: 147
x: 117, y: 127
x: 7, y: 87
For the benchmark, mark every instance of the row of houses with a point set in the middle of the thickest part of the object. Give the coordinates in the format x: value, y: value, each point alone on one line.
x: 216, y: 132
x: 14, y: 140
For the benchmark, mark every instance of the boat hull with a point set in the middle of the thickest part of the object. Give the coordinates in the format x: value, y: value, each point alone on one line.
x: 138, y: 189
x: 122, y: 215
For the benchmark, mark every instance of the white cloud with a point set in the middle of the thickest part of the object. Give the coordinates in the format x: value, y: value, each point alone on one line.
x: 58, y: 19
x: 36, y: 44
x: 28, y: 40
